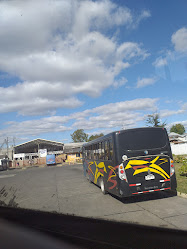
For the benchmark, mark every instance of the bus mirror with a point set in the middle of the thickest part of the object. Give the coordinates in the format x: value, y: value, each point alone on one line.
x: 124, y: 157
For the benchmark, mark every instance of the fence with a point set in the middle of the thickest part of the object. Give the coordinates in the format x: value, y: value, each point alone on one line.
x: 179, y: 149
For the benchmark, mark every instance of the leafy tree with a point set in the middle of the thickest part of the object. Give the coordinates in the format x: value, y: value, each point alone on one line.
x: 79, y: 136
x: 92, y: 137
x: 178, y: 128
x: 154, y: 120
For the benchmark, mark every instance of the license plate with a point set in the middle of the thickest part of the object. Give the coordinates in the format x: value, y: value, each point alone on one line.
x: 149, y: 177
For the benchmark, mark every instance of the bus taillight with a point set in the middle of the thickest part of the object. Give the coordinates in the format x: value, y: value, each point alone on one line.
x: 122, y: 174
x: 172, y: 169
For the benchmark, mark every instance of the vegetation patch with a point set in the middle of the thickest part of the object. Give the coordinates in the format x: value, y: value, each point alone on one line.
x: 181, y: 179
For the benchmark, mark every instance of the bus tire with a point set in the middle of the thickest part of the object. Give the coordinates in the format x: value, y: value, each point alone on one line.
x: 102, y: 185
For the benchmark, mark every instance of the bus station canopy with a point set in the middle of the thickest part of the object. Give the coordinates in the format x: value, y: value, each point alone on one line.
x: 36, y: 144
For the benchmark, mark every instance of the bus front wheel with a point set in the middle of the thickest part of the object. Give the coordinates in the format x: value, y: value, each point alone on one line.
x: 102, y: 185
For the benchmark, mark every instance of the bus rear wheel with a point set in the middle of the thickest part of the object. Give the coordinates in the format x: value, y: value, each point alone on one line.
x: 102, y: 185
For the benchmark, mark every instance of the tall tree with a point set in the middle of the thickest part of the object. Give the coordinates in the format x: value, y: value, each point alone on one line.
x: 154, y: 120
x: 79, y: 136
x: 92, y: 137
x: 178, y: 128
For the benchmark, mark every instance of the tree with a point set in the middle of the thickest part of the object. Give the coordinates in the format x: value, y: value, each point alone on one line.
x: 92, y: 137
x: 154, y: 120
x: 178, y: 128
x: 79, y: 136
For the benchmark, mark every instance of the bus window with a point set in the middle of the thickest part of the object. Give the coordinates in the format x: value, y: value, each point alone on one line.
x: 97, y: 151
x: 102, y: 151
x: 94, y: 152
x: 111, y: 149
x: 107, y: 153
x: 91, y: 152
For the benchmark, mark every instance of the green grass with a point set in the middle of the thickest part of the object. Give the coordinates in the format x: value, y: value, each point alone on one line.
x: 181, y: 180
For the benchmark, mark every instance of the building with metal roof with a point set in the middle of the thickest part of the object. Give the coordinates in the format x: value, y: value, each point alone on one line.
x: 36, y: 150
x: 35, y: 145
x: 73, y: 151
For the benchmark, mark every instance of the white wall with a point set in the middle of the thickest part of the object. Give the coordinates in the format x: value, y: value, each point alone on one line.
x: 179, y: 149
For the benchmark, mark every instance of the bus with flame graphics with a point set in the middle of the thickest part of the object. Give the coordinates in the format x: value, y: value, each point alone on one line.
x: 130, y: 162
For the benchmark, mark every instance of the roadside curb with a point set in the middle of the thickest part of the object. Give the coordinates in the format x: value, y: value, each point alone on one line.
x: 183, y: 195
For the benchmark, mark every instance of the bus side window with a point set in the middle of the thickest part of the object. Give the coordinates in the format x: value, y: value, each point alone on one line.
x: 99, y: 150
x: 89, y: 153
x: 107, y: 156
x: 91, y: 150
x: 93, y: 147
x: 102, y: 151
x: 111, y: 149
x: 96, y: 152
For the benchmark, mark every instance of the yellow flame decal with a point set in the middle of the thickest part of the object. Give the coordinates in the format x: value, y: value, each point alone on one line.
x: 138, y: 171
x: 153, y: 167
x: 97, y: 172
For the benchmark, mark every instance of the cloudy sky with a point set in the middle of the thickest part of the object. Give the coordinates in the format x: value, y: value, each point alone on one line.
x: 96, y: 65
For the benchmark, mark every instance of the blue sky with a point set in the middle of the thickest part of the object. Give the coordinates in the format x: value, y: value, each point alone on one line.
x: 96, y: 65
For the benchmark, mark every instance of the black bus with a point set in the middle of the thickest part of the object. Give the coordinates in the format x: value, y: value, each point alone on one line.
x: 130, y: 162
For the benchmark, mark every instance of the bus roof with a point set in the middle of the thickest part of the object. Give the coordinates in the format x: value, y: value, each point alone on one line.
x: 119, y: 131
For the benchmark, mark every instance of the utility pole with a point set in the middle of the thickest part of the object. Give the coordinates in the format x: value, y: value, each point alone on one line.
x: 7, y: 146
x: 14, y: 141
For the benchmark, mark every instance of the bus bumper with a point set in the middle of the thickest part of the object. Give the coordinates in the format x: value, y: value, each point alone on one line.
x: 126, y: 189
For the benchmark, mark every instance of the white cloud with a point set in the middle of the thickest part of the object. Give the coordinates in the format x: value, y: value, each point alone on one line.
x: 110, y: 116
x: 143, y: 15
x: 179, y: 40
x: 98, y: 15
x: 145, y: 82
x: 120, y: 82
x: 159, y: 62
x: 167, y: 113
x: 36, y: 98
x: 181, y: 110
x: 129, y: 50
x: 117, y: 115
x: 105, y: 118
x: 59, y: 49
x: 124, y: 106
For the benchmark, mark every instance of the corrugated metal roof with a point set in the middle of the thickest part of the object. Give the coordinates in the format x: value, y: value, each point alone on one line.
x: 39, y: 140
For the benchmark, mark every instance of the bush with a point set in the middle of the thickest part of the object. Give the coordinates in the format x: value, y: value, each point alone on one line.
x: 183, y: 168
x: 178, y: 159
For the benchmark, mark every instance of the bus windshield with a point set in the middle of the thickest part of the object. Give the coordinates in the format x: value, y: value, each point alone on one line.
x: 142, y: 139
